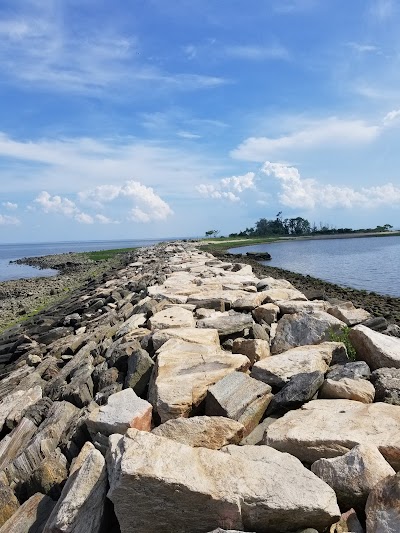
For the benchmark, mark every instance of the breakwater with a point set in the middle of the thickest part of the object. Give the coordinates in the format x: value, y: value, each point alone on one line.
x: 183, y: 392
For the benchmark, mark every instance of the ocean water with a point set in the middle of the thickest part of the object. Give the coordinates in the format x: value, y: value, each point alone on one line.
x: 370, y: 263
x: 10, y: 252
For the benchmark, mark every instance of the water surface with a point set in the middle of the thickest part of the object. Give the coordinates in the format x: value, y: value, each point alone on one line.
x: 370, y: 263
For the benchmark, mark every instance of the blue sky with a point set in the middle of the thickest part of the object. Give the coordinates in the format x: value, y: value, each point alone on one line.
x: 151, y: 118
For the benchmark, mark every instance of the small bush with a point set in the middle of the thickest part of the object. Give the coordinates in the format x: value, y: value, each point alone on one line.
x: 343, y: 336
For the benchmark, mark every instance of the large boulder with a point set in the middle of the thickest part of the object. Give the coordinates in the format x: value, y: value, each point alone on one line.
x: 279, y: 369
x: 387, y: 385
x: 198, y: 490
x: 300, y: 389
x: 377, y: 349
x: 173, y: 317
x: 360, y: 390
x: 124, y: 410
x: 183, y: 373
x: 239, y: 397
x: 254, y: 349
x: 301, y: 329
x: 81, y: 505
x: 347, y: 313
x: 227, y: 323
x: 196, y: 335
x: 383, y: 504
x: 330, y: 428
x: 212, y: 432
x: 353, y: 475
x: 31, y: 517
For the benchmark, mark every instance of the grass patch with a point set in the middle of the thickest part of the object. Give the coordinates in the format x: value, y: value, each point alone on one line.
x: 103, y: 255
x: 343, y: 336
x: 224, y: 244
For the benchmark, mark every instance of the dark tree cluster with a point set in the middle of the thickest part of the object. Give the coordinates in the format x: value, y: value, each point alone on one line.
x: 297, y: 227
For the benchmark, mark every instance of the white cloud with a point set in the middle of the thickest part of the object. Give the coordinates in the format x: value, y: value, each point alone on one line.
x: 148, y: 206
x: 236, y: 184
x: 239, y: 183
x: 330, y: 132
x: 6, y: 220
x: 188, y: 135
x: 256, y: 53
x: 10, y: 205
x: 391, y: 117
x: 294, y: 6
x: 38, y: 47
x: 363, y: 48
x: 69, y: 162
x: 63, y: 206
x: 105, y: 220
x: 297, y: 192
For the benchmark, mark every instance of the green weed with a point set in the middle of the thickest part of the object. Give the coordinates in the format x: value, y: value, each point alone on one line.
x: 343, y: 336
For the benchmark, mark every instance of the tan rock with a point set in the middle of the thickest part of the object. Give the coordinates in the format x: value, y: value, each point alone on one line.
x: 211, y: 432
x: 279, y: 369
x: 8, y: 503
x: 124, y: 410
x: 173, y: 317
x: 267, y: 312
x: 250, y: 301
x: 183, y: 373
x: 348, y: 523
x: 353, y: 475
x: 215, y: 489
x: 301, y: 329
x: 294, y: 306
x: 31, y: 517
x: 81, y: 505
x: 360, y: 390
x: 198, y: 336
x: 349, y: 314
x: 383, y: 506
x: 376, y: 349
x: 330, y: 428
x: 274, y: 295
x: 254, y: 349
x: 239, y: 397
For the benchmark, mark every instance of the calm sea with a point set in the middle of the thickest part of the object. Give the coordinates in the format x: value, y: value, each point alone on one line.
x: 10, y: 252
x: 370, y: 263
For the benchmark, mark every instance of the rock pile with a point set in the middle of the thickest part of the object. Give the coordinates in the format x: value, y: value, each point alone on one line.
x: 181, y: 393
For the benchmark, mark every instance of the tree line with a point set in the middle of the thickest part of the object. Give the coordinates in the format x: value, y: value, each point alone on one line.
x: 298, y: 226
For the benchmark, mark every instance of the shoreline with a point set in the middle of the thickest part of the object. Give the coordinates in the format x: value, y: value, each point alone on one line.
x: 23, y: 298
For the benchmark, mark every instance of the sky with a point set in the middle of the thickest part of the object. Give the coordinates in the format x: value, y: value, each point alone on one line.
x: 153, y: 118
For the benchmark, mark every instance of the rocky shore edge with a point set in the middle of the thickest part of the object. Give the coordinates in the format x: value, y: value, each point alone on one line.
x: 181, y: 392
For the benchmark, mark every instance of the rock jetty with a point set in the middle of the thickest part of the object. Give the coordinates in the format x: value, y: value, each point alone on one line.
x: 181, y: 393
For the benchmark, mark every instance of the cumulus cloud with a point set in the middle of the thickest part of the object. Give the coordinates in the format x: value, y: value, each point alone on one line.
x: 148, y: 206
x: 331, y: 132
x: 10, y: 205
x: 227, y: 187
x: 6, y: 220
x: 391, y: 117
x: 309, y: 193
x: 105, y: 220
x: 64, y: 206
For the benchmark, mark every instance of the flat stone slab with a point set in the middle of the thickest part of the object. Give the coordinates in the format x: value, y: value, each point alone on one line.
x: 301, y: 329
x: 239, y: 397
x: 124, y: 410
x: 215, y: 489
x: 349, y: 314
x: 376, y: 349
x: 196, y: 335
x: 295, y: 306
x: 211, y: 432
x: 330, y: 428
x: 173, y: 317
x: 183, y: 373
x: 275, y: 295
x: 360, y: 390
x: 31, y: 517
x: 279, y: 369
x: 81, y: 504
x: 227, y: 323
